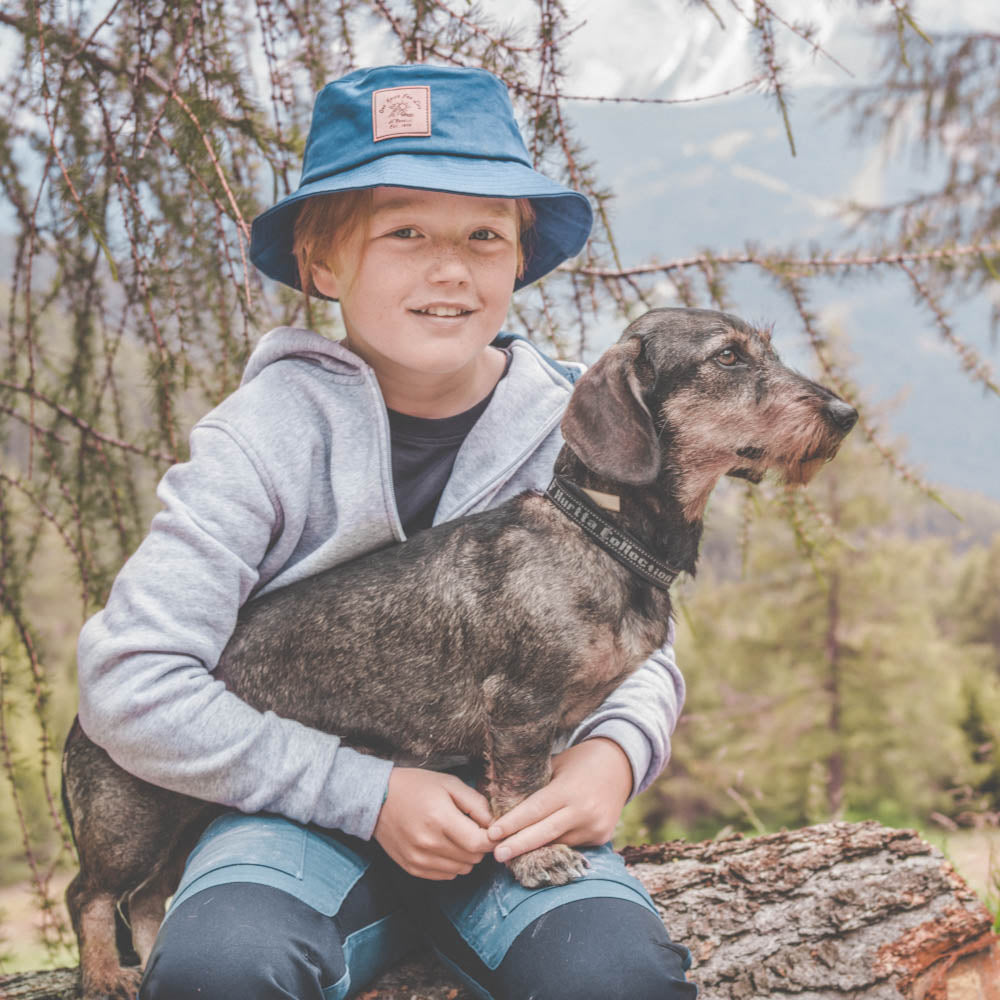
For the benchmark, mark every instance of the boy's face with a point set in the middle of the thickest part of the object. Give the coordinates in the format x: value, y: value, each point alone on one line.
x: 426, y: 285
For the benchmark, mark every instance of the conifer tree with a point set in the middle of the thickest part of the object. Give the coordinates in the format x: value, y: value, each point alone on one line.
x: 823, y: 679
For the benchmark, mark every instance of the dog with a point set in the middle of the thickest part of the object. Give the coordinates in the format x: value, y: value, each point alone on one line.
x: 528, y: 615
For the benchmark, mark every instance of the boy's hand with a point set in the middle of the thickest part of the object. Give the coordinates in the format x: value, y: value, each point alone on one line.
x: 591, y: 783
x: 433, y: 824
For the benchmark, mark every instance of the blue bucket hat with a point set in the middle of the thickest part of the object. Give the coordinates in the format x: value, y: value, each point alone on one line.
x: 439, y: 128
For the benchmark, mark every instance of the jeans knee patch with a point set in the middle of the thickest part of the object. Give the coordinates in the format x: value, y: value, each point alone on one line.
x: 312, y: 866
x: 489, y: 908
x: 243, y: 940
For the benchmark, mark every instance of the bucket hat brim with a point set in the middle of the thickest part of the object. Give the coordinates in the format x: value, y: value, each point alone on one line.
x: 563, y: 218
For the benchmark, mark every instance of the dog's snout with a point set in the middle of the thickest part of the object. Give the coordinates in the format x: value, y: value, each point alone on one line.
x: 842, y: 415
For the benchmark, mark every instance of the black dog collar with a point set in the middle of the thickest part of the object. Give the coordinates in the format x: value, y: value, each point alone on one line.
x: 626, y: 548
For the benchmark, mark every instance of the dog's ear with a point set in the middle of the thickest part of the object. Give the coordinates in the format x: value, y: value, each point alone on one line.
x: 607, y: 424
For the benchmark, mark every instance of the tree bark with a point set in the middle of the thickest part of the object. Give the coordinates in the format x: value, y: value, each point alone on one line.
x: 841, y: 910
x: 833, y: 651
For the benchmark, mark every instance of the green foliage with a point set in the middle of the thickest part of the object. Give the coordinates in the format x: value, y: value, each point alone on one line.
x: 993, y: 893
x: 977, y: 607
x: 37, y: 704
x: 836, y: 677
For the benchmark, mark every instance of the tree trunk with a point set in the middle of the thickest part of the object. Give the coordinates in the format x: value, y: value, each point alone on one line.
x: 835, y: 761
x: 841, y: 910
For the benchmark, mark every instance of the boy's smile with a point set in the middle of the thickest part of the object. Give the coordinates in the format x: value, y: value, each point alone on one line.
x: 424, y: 287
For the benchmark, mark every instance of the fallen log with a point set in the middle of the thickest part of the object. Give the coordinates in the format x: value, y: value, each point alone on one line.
x: 826, y: 912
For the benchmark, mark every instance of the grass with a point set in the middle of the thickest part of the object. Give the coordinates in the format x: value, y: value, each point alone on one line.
x: 976, y: 857
x: 21, y: 944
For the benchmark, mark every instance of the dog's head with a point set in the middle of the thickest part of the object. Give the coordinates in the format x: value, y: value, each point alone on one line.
x: 700, y: 394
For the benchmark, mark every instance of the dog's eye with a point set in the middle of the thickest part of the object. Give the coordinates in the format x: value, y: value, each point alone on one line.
x: 727, y: 358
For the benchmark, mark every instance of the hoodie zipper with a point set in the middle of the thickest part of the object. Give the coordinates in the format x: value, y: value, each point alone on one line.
x: 504, y: 474
x: 495, y: 481
x: 389, y: 489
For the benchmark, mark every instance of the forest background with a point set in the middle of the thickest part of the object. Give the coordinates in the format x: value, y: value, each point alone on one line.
x: 838, y: 178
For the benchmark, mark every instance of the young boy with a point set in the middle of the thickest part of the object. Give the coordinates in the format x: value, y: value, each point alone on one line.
x: 418, y: 210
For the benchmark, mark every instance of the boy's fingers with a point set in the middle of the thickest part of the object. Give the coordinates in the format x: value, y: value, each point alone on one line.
x: 439, y: 871
x: 457, y: 855
x: 531, y: 810
x: 547, y: 830
x: 469, y: 838
x: 471, y: 803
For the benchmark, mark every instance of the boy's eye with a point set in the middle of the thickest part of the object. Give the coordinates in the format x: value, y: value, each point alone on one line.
x: 483, y: 234
x: 406, y: 233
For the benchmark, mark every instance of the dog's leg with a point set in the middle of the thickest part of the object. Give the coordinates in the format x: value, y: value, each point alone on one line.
x: 146, y: 907
x: 93, y: 916
x: 520, y: 734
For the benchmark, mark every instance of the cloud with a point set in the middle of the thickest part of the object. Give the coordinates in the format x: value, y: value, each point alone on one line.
x: 637, y: 46
x: 633, y: 47
x: 867, y: 186
x: 819, y: 206
x: 725, y: 146
x: 930, y: 344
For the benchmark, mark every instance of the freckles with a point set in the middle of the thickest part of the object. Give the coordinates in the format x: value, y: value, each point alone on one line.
x: 499, y: 268
x: 504, y: 265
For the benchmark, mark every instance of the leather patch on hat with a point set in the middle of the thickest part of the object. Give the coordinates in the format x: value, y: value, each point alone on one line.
x: 401, y: 111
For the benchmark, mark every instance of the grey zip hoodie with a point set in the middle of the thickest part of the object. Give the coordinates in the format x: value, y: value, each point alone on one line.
x: 289, y: 476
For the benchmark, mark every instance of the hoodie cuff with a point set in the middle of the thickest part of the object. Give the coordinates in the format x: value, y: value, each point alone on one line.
x: 354, y: 793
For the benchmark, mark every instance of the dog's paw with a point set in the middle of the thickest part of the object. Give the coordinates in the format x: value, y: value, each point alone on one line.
x: 555, y: 864
x: 121, y: 983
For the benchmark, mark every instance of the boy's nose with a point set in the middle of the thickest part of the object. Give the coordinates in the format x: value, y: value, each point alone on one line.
x: 448, y: 264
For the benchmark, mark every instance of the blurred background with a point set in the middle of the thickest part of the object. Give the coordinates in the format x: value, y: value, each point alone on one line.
x: 828, y: 168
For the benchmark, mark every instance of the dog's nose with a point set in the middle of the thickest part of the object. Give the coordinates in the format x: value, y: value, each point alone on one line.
x: 842, y: 415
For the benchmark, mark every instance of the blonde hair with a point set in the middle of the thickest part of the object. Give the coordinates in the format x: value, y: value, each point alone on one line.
x: 326, y: 223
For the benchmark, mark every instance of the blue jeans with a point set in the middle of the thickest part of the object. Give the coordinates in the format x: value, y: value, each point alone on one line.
x: 269, y: 908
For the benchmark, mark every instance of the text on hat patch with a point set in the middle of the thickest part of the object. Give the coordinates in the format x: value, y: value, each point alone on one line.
x: 399, y: 111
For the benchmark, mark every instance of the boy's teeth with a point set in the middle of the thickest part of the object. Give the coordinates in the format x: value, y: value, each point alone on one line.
x: 442, y: 311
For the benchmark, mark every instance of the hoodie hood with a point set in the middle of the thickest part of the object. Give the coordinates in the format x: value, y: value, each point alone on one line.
x: 292, y: 342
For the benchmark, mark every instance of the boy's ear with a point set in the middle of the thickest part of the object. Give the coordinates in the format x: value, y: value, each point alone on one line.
x: 325, y: 281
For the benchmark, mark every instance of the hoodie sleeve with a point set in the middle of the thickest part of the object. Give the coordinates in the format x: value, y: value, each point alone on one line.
x: 147, y: 693
x: 641, y: 714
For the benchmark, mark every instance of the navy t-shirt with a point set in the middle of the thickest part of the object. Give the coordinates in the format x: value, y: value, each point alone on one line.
x: 423, y: 454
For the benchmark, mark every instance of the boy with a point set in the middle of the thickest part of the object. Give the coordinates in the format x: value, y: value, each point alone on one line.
x: 419, y: 210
